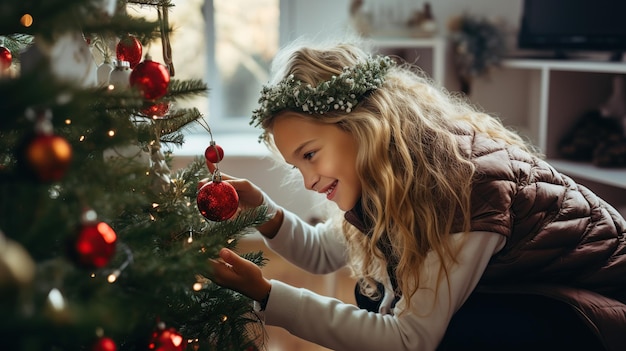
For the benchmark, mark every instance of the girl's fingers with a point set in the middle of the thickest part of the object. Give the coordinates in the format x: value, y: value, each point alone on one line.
x: 222, y: 273
x: 211, y: 166
x: 235, y: 272
x: 230, y: 258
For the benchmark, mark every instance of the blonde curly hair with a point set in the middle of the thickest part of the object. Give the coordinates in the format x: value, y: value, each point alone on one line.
x: 416, y: 182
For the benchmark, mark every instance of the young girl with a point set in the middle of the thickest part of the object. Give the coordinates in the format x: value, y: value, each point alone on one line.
x: 461, y: 236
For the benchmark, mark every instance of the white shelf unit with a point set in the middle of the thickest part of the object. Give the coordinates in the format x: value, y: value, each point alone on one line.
x: 427, y: 53
x: 543, y: 99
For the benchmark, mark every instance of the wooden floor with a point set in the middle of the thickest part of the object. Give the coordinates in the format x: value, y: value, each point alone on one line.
x: 338, y: 285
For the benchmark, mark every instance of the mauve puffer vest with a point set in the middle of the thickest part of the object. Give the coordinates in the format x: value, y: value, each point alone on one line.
x: 563, y: 241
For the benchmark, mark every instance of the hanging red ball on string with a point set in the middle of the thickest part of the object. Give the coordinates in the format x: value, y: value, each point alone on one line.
x: 104, y: 344
x: 129, y: 49
x: 167, y: 339
x: 151, y: 78
x: 6, y: 58
x: 217, y: 200
x: 214, y: 153
x: 95, y: 243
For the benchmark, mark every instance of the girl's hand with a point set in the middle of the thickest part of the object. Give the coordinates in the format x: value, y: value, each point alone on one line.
x: 236, y: 273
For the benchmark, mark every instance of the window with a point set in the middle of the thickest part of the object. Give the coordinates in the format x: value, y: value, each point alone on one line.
x: 242, y: 38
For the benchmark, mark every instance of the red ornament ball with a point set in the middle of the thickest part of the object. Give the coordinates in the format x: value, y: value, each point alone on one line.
x: 48, y: 156
x: 95, y: 245
x: 156, y: 110
x: 214, y: 153
x: 217, y: 201
x: 168, y: 339
x: 129, y: 49
x: 152, y: 78
x: 104, y: 344
x: 6, y: 58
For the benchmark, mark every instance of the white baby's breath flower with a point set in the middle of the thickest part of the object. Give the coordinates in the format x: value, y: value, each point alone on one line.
x: 340, y: 92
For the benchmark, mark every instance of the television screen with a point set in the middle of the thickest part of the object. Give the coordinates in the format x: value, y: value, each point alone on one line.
x: 565, y: 25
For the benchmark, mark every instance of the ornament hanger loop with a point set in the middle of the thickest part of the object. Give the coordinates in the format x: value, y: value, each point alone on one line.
x: 165, y: 39
x: 217, y: 176
x: 203, y: 123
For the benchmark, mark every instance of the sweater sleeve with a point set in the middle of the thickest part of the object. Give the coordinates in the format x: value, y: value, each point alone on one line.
x: 317, y: 249
x: 339, y: 326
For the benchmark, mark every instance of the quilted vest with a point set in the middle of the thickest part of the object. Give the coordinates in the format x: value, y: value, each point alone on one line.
x: 558, y: 231
x: 563, y: 241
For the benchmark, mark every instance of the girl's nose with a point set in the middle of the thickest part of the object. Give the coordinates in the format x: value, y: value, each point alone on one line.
x: 309, y: 179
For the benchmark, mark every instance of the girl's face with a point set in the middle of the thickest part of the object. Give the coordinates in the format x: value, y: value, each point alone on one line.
x: 324, y: 154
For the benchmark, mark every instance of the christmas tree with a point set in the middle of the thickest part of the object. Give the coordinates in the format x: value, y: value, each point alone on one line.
x: 102, y: 246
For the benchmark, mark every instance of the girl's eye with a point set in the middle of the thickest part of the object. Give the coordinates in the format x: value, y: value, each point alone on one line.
x: 309, y: 155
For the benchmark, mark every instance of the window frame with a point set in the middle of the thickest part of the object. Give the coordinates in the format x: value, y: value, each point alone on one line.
x: 217, y: 121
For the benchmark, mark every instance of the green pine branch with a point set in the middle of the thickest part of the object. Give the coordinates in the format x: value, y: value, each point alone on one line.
x: 156, y: 264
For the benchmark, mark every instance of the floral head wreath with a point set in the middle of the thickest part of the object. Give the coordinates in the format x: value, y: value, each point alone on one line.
x: 341, y: 92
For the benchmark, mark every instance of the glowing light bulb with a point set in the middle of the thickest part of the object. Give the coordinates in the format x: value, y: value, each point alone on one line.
x: 113, y: 276
x: 26, y: 20
x: 56, y: 300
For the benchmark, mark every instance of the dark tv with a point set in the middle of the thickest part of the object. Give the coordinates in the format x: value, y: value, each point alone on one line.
x: 563, y: 26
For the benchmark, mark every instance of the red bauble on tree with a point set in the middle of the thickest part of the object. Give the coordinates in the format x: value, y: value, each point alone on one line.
x: 155, y: 110
x: 6, y: 58
x: 214, y: 153
x: 217, y: 200
x: 129, y: 49
x: 167, y: 339
x: 152, y: 78
x: 95, y: 244
x: 104, y: 344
